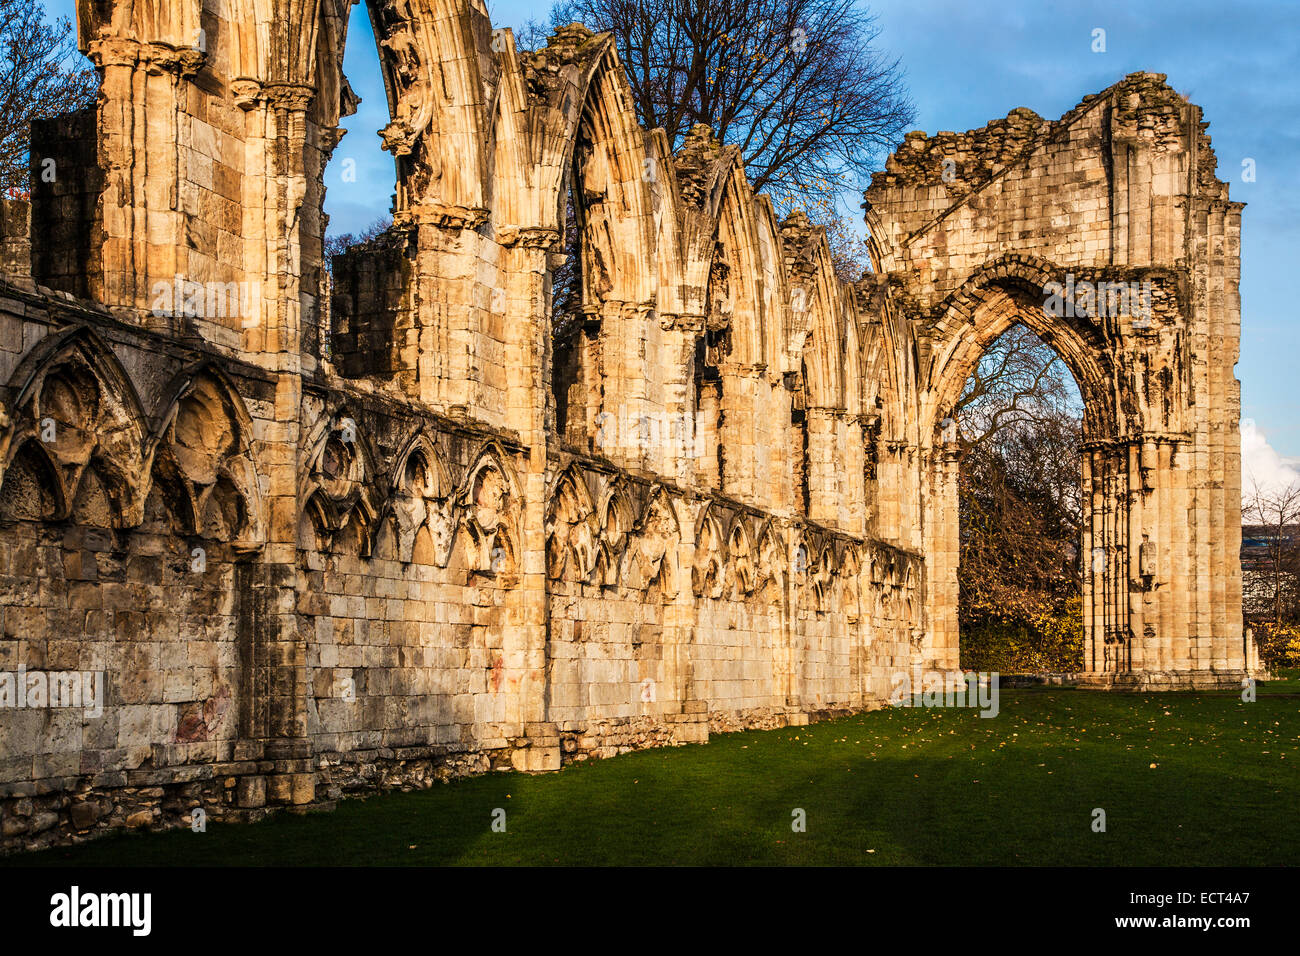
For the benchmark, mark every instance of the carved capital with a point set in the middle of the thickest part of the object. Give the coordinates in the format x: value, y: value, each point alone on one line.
x: 443, y: 216
x: 827, y: 412
x: 247, y: 92
x: 288, y: 96
x: 640, y: 311
x: 741, y: 370
x: 156, y: 58
x: 685, y: 322
x: 528, y: 237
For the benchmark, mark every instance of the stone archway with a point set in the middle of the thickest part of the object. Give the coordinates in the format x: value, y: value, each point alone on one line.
x: 1011, y: 292
x: 1123, y: 345
x: 1111, y: 238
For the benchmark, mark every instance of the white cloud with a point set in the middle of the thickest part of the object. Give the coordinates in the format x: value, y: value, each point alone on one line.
x: 1261, y: 465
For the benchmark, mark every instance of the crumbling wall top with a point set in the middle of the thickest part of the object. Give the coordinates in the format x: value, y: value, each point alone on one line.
x: 969, y: 158
x: 697, y: 162
x: 1144, y: 109
x: 572, y: 45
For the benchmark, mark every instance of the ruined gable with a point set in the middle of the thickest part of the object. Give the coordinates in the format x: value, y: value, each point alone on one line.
x: 414, y: 534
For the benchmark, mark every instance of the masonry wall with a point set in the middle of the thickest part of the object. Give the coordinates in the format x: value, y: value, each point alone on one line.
x: 314, y: 561
x: 1121, y: 191
x: 111, y: 567
x: 406, y: 662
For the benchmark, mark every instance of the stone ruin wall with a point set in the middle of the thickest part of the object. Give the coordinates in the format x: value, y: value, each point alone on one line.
x: 1120, y: 190
x: 392, y: 527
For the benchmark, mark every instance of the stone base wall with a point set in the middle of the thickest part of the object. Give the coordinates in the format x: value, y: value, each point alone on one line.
x: 57, y: 811
x: 52, y: 811
x: 440, y: 608
x: 296, y: 567
x: 1144, y: 682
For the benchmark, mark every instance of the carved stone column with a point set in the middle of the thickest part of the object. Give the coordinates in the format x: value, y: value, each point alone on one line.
x: 140, y: 239
x: 942, y: 546
x: 742, y: 394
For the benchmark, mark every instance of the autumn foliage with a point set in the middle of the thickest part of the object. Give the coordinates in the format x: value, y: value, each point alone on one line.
x: 1020, y: 586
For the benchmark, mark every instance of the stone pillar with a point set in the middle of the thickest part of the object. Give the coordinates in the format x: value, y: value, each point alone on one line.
x: 707, y: 415
x: 1092, y: 636
x: 524, y: 309
x: 138, y: 239
x: 742, y: 387
x: 269, y: 334
x: 635, y: 427
x: 15, y: 239
x: 682, y: 451
x: 450, y: 355
x: 825, y: 466
x: 942, y: 545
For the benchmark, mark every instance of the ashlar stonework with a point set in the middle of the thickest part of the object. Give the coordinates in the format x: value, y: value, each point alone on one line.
x: 324, y: 535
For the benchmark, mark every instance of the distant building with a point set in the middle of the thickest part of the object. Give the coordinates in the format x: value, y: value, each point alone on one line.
x: 1257, y: 584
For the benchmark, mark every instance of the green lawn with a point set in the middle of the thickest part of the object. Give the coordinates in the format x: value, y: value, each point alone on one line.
x: 1185, y: 779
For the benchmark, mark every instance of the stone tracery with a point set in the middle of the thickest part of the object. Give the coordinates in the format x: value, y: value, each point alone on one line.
x: 764, y: 525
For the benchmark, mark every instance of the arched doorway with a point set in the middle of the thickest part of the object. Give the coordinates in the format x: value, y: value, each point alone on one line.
x: 1018, y: 424
x: 1132, y: 475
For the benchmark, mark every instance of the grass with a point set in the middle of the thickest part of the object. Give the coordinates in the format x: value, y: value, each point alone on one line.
x: 1185, y: 779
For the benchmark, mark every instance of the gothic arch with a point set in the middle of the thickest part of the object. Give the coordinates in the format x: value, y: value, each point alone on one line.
x: 1131, y: 375
x: 487, y: 507
x: 851, y: 354
x: 611, y: 192
x: 338, y: 482
x: 709, y: 569
x: 651, y: 554
x: 1005, y: 291
x: 616, y: 519
x: 851, y: 577
x: 694, y: 190
x: 821, y: 310
x: 823, y: 575
x: 419, y: 469
x: 571, y: 124
x: 773, y: 563
x: 740, y: 556
x: 202, y: 445
x: 74, y: 404
x: 749, y: 303
x: 572, y: 535
x: 420, y: 499
x: 439, y: 76
x: 890, y: 374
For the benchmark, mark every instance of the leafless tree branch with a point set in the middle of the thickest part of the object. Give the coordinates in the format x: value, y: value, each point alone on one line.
x: 41, y: 76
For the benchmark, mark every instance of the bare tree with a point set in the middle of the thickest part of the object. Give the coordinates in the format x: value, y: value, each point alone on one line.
x: 848, y: 248
x: 1020, y: 380
x: 337, y: 244
x: 798, y: 85
x: 1019, y: 433
x: 1276, y: 513
x: 39, y: 79
x: 1020, y: 507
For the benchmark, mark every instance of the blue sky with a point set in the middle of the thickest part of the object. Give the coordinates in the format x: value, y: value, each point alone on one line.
x: 970, y: 62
